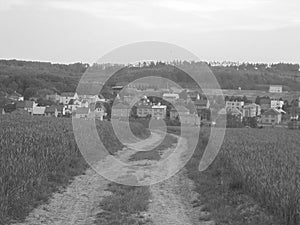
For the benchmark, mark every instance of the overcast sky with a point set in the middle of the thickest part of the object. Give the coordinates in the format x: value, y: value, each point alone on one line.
x: 69, y: 31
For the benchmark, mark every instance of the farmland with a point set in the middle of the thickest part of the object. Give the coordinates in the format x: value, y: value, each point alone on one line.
x: 267, y: 162
x: 262, y: 164
x: 39, y: 156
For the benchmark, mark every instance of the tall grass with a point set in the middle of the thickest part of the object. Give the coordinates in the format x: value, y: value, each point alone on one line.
x: 268, y: 162
x: 37, y: 156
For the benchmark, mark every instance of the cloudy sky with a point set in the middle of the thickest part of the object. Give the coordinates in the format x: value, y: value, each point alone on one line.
x: 75, y: 30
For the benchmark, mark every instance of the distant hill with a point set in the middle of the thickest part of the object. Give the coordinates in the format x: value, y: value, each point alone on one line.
x: 33, y: 78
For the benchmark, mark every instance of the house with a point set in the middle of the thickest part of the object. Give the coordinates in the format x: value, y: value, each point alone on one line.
x: 82, y: 112
x: 84, y: 103
x: 159, y: 111
x: 251, y: 110
x: 234, y: 104
x: 170, y: 97
x: 202, y: 104
x: 51, y: 111
x: 120, y: 110
x: 26, y: 105
x: 65, y: 97
x: 265, y: 103
x: 179, y: 111
x: 38, y: 111
x: 277, y: 104
x: 271, y: 116
x: 16, y: 97
x: 144, y: 110
x: 275, y: 89
x: 73, y: 105
x: 97, y: 111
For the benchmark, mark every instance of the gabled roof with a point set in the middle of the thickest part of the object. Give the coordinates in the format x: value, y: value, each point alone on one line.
x: 273, y: 112
x: 50, y: 109
x: 82, y: 110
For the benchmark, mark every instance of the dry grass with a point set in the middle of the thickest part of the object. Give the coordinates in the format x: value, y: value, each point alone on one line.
x: 37, y: 156
x: 260, y: 164
x: 268, y: 163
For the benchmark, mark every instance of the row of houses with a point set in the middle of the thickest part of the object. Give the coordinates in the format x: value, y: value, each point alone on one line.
x: 270, y: 114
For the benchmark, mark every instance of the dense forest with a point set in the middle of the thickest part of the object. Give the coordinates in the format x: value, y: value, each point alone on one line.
x: 33, y: 79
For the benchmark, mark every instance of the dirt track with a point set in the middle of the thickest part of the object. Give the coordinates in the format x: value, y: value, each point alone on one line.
x: 78, y: 204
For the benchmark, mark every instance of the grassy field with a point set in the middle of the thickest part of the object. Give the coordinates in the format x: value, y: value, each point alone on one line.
x: 38, y: 155
x: 253, y: 166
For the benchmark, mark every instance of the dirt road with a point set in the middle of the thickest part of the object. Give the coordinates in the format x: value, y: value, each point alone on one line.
x: 79, y: 202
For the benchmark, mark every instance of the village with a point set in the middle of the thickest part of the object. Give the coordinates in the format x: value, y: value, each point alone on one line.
x: 192, y: 107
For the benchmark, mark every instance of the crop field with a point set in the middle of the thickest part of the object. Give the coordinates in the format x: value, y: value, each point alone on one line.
x: 264, y: 164
x: 38, y: 155
x: 268, y: 163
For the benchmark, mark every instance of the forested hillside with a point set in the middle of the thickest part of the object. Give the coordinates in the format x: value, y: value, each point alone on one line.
x: 32, y: 79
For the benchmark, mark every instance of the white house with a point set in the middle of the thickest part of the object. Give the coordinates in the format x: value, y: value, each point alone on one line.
x: 38, y: 111
x: 234, y: 104
x: 276, y: 104
x: 159, y: 111
x: 251, y: 110
x: 275, y: 89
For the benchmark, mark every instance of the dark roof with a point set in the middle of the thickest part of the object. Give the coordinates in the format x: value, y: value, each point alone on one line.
x: 50, y: 109
x: 71, y: 102
x: 20, y: 105
x: 272, y: 112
